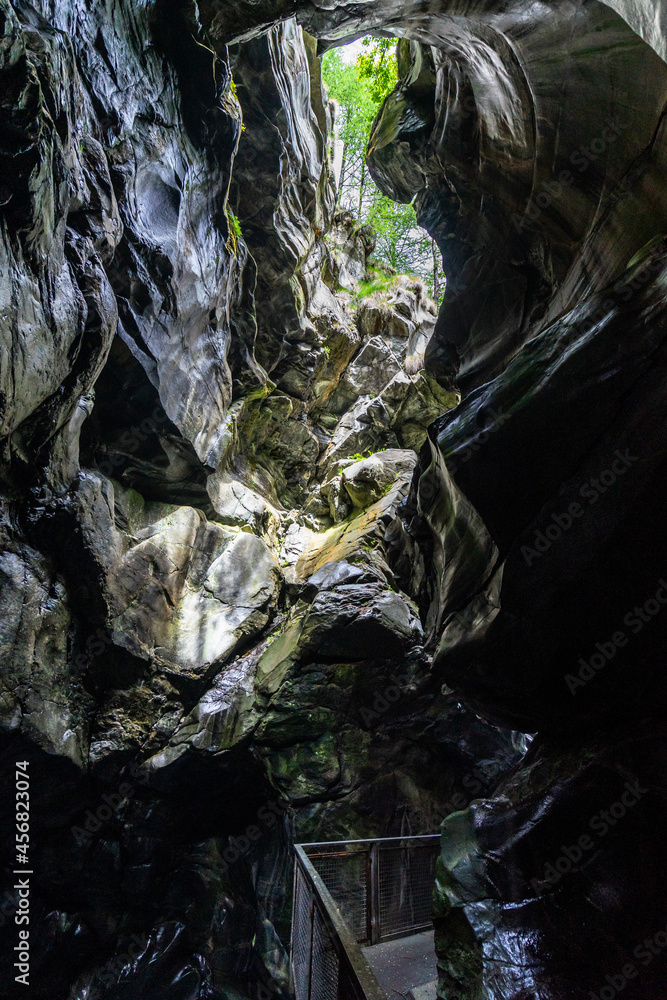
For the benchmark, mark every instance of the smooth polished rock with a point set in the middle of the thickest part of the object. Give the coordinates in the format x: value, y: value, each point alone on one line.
x: 170, y: 692
x: 568, y: 901
x: 557, y: 616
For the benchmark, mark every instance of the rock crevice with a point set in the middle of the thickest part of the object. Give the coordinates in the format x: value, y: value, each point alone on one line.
x: 241, y: 499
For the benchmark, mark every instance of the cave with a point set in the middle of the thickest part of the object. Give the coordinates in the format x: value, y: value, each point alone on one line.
x: 290, y: 556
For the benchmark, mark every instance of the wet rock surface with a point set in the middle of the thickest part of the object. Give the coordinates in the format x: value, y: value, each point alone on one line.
x: 205, y: 443
x: 261, y: 565
x: 582, y: 827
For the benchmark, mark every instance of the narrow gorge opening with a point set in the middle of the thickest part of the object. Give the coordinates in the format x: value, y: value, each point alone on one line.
x: 303, y: 543
x: 358, y: 78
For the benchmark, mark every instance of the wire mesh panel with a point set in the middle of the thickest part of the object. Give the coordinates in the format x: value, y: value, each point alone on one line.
x: 327, y: 962
x: 325, y: 965
x: 302, y: 916
x: 352, y: 893
x: 349, y: 987
x: 345, y: 874
x: 406, y: 875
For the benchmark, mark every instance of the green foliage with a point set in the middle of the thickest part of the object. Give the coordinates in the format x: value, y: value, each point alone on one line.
x: 355, y: 114
x: 359, y: 90
x: 377, y: 65
x: 232, y: 87
x: 235, y: 233
x: 400, y: 241
x: 358, y: 457
x: 381, y: 283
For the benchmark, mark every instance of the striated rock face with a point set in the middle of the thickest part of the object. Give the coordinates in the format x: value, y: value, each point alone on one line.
x: 577, y: 814
x: 208, y: 430
x: 535, y: 159
x: 283, y: 560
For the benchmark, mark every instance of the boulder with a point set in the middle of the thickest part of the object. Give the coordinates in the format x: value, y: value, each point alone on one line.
x: 369, y: 479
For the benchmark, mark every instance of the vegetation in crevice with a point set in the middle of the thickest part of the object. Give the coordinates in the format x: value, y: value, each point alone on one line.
x: 235, y: 233
x: 358, y: 89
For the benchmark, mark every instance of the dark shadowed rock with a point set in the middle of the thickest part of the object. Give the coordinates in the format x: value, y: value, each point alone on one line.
x: 269, y: 544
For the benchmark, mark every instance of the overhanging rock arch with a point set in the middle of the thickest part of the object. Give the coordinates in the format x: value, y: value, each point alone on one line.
x: 536, y: 117
x: 532, y: 136
x: 550, y: 212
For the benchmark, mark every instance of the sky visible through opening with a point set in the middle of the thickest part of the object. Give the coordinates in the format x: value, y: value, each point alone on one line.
x: 358, y: 77
x: 350, y: 52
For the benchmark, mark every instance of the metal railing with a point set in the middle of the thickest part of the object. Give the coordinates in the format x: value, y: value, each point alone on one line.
x: 352, y: 893
x: 327, y: 963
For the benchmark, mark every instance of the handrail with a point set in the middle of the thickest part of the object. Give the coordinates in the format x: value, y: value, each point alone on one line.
x: 383, y: 889
x: 349, y: 951
x: 372, y: 840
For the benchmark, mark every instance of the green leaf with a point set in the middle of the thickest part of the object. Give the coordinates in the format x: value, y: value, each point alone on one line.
x: 359, y: 89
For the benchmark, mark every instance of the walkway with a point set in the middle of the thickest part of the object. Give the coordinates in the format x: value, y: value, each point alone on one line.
x: 405, y: 964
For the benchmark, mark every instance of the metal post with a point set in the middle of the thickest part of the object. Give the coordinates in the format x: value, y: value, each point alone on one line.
x: 376, y: 923
x: 295, y: 884
x: 310, y: 957
x: 369, y: 900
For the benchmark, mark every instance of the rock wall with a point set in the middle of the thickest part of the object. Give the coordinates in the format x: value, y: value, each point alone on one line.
x: 208, y: 430
x: 547, y: 601
x: 283, y: 560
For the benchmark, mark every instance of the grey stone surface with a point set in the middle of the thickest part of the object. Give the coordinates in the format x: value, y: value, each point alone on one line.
x: 210, y: 575
x: 405, y: 966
